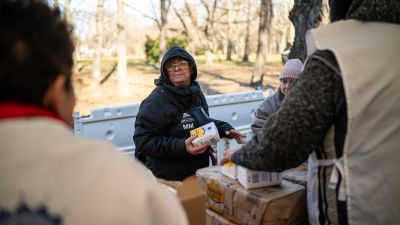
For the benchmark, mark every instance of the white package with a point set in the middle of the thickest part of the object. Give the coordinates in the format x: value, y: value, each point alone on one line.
x: 255, y: 179
x: 206, y: 134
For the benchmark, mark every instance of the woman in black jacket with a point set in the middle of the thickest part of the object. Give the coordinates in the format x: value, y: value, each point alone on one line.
x: 166, y: 116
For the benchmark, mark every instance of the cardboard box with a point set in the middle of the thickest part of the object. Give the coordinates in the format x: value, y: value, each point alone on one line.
x: 274, y: 205
x: 206, y: 134
x: 192, y: 198
x: 213, y: 218
x: 229, y: 169
x: 255, y: 179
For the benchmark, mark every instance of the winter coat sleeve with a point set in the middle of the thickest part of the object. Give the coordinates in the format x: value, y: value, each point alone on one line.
x: 222, y: 126
x: 264, y: 110
x: 298, y: 128
x: 151, y: 125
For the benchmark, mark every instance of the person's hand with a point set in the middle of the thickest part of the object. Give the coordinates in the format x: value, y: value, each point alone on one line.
x: 194, y: 150
x: 228, y: 155
x: 236, y: 135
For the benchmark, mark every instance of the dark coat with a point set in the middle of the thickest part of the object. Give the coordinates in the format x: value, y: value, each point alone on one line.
x: 164, y: 121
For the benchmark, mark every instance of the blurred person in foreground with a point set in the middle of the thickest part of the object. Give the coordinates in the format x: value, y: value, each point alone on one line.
x: 342, y: 113
x: 165, y: 118
x: 290, y: 71
x: 49, y: 176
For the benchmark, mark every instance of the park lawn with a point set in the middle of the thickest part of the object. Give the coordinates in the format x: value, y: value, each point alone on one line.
x: 218, y: 78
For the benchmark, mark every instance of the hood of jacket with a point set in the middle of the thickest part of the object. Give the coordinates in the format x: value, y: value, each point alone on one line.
x: 187, y: 96
x: 176, y: 52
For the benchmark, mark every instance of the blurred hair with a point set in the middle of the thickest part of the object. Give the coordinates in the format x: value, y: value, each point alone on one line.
x: 35, y: 47
x: 338, y: 9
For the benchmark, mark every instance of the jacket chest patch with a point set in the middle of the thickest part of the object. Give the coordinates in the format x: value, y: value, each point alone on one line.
x: 187, y: 121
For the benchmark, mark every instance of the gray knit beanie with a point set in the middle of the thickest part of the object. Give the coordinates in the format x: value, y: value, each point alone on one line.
x: 291, y: 69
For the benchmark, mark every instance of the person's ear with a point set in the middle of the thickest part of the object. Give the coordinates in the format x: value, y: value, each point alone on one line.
x: 60, y: 100
x: 54, y: 95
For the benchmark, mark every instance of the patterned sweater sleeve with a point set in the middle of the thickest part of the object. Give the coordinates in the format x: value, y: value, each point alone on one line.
x: 289, y: 136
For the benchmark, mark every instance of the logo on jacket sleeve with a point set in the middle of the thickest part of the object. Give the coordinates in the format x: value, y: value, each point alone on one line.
x: 23, y: 215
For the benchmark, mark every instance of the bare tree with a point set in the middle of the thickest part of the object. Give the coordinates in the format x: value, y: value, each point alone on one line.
x: 123, y: 88
x: 247, y: 35
x: 96, y: 65
x: 281, y: 28
x: 68, y: 10
x: 324, y: 13
x: 305, y: 15
x: 228, y: 32
x: 209, y: 29
x: 220, y: 29
x: 264, y: 26
x: 151, y: 17
x: 164, y: 8
x: 206, y: 31
x: 66, y: 6
x: 56, y: 3
x: 191, y: 29
x: 186, y: 31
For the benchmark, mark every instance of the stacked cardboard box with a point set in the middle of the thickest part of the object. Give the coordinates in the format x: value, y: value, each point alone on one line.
x: 274, y: 205
x: 192, y: 198
x: 213, y: 218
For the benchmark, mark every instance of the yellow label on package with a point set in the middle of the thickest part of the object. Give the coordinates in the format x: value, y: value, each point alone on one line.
x: 216, y: 196
x: 206, y: 134
x: 198, y: 132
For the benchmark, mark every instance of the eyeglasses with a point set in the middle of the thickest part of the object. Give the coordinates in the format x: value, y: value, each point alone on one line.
x: 180, y: 65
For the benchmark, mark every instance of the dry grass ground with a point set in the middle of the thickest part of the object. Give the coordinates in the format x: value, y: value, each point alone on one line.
x: 219, y: 78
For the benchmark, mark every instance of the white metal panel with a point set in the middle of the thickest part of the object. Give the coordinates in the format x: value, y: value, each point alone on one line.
x: 116, y: 124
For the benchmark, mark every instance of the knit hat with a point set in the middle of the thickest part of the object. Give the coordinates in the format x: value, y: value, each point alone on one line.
x: 291, y: 69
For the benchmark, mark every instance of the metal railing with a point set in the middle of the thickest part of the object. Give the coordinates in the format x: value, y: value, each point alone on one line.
x: 117, y: 124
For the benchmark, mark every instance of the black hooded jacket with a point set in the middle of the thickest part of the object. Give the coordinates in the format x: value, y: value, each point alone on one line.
x: 165, y: 119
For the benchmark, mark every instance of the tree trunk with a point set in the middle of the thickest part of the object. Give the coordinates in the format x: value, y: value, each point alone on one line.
x: 265, y: 23
x: 282, y: 42
x: 96, y: 65
x: 209, y: 57
x: 190, y: 34
x: 68, y: 10
x: 123, y: 88
x: 164, y: 8
x: 68, y: 18
x: 247, y: 35
x: 56, y: 3
x: 305, y: 15
x: 208, y: 31
x: 229, y: 46
x: 324, y: 13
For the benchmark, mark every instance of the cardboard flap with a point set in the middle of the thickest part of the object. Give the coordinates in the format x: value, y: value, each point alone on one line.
x: 190, y: 188
x: 193, y: 200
